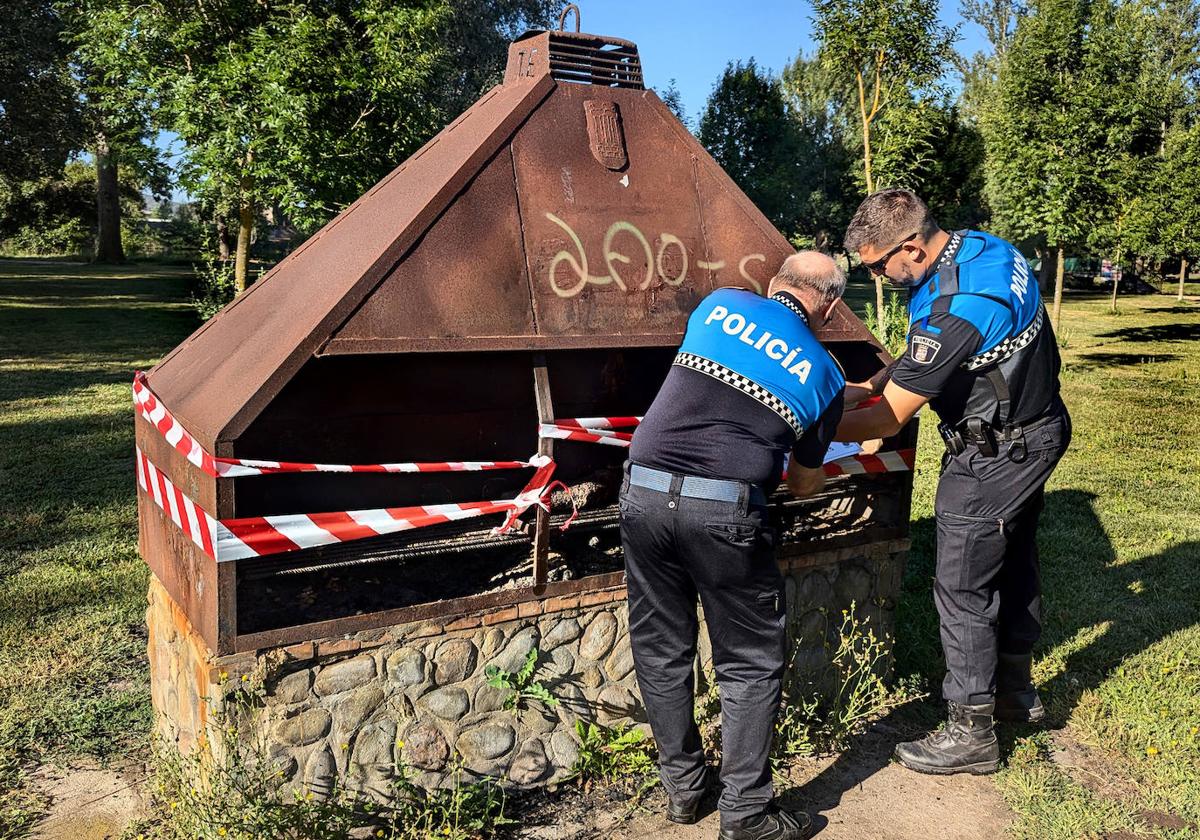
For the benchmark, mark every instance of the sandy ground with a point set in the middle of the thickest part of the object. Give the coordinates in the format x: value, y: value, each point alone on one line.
x: 859, y: 795
x: 88, y: 802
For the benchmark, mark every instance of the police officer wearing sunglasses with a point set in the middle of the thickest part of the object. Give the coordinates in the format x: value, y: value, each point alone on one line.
x: 981, y: 351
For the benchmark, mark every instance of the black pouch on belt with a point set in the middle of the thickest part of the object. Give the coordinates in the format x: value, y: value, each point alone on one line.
x: 953, y: 439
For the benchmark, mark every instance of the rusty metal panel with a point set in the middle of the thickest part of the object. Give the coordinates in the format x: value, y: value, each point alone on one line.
x: 465, y: 279
x: 186, y: 572
x: 610, y: 253
x: 219, y: 379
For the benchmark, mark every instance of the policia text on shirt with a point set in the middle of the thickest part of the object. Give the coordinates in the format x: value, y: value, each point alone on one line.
x: 981, y: 351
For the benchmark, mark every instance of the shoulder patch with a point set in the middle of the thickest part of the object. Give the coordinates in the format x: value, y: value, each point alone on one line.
x: 924, y: 349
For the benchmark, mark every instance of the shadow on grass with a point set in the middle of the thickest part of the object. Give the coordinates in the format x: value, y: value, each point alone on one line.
x: 1111, y: 360
x: 1127, y: 608
x: 1156, y: 332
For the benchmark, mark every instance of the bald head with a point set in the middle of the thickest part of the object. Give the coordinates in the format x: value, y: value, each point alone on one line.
x: 812, y: 276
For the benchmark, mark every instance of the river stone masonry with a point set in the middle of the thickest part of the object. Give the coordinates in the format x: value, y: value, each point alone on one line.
x: 347, y: 710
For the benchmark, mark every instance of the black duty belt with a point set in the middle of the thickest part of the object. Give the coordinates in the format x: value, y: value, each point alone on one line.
x: 987, y: 438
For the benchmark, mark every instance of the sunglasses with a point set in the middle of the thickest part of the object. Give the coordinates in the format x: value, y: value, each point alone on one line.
x: 878, y: 266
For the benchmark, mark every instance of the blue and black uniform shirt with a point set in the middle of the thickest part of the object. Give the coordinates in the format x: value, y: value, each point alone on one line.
x: 979, y: 309
x: 750, y: 383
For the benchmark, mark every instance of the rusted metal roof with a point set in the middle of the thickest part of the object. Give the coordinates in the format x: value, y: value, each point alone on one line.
x: 567, y: 208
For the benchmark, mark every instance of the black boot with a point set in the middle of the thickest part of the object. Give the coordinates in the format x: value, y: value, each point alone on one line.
x: 965, y: 744
x: 1017, y: 700
x: 775, y: 824
x: 686, y: 810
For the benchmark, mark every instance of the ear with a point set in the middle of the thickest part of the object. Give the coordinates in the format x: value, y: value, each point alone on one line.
x: 918, y: 253
x: 828, y: 314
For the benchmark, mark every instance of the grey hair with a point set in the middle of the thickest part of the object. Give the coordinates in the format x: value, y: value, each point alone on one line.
x: 813, y: 272
x: 886, y: 217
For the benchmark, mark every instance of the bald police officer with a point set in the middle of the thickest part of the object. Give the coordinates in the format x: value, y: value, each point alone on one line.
x: 750, y: 383
x: 982, y: 352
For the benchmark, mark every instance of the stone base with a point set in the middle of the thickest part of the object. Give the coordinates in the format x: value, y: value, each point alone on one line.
x: 349, y: 709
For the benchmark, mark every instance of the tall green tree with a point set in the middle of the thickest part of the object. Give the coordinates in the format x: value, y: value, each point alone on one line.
x: 302, y: 104
x: 820, y: 105
x: 1178, y: 188
x: 40, y: 119
x: 1042, y: 135
x: 891, y: 50
x: 745, y: 126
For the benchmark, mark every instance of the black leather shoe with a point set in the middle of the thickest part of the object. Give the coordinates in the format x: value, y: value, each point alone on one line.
x: 965, y: 744
x: 687, y: 811
x: 1017, y: 700
x: 775, y: 824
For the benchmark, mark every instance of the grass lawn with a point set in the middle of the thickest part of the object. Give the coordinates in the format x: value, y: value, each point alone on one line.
x: 72, y: 587
x: 1119, y: 664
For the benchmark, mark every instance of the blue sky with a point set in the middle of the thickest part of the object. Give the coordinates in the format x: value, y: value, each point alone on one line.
x: 692, y: 42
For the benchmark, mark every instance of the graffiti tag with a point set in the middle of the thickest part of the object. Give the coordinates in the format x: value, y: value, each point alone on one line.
x: 668, y: 261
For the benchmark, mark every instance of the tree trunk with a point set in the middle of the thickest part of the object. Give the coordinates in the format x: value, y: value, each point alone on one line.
x: 223, y: 248
x: 1183, y: 270
x: 1058, y: 285
x: 245, y: 230
x: 108, y: 205
x: 1115, y: 273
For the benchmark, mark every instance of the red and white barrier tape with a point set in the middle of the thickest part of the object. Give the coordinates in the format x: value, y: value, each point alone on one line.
x: 258, y: 536
x: 189, y: 517
x: 599, y: 430
x: 174, y: 433
x: 236, y: 539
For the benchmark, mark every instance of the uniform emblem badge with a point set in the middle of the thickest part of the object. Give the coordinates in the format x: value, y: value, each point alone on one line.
x: 924, y: 349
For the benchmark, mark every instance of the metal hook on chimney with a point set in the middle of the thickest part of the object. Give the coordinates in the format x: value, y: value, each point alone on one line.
x: 562, y: 18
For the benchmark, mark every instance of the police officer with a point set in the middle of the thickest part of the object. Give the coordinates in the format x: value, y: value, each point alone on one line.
x: 750, y: 383
x: 981, y: 351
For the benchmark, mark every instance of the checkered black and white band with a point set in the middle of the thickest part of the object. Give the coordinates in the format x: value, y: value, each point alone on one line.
x: 746, y: 386
x: 786, y: 300
x: 948, y: 253
x: 1008, y: 347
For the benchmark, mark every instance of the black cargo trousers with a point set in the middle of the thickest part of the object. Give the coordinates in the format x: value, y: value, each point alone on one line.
x: 987, y: 587
x: 678, y: 549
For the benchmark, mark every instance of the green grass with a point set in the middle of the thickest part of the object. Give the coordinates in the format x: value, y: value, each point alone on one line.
x: 73, y: 675
x: 1119, y: 665
x: 1119, y: 662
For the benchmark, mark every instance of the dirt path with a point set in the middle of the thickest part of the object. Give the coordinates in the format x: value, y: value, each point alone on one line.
x: 859, y: 795
x: 87, y: 802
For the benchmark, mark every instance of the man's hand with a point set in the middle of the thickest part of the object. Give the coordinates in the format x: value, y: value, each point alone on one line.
x: 804, y: 481
x: 884, y: 419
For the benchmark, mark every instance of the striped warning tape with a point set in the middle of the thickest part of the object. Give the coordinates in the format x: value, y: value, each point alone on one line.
x: 172, y: 430
x: 599, y: 430
x: 258, y: 536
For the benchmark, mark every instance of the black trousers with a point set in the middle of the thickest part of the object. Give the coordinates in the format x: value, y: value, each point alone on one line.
x: 988, y: 582
x: 678, y: 549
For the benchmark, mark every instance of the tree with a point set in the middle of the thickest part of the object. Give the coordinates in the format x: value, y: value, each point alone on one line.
x: 1118, y: 62
x: 746, y: 128
x: 299, y: 103
x: 891, y: 50
x: 1042, y: 134
x: 1179, y: 189
x: 673, y: 99
x: 40, y: 123
x: 819, y: 104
